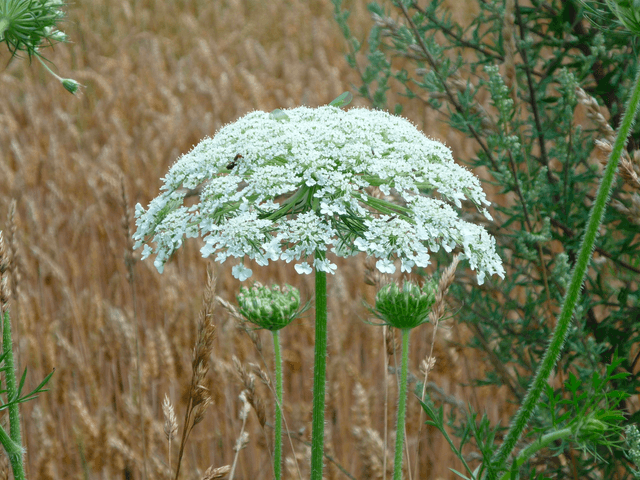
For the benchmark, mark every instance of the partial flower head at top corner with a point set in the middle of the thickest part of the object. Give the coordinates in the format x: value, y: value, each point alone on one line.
x: 27, y: 25
x: 271, y: 308
x: 405, y: 307
x: 627, y: 12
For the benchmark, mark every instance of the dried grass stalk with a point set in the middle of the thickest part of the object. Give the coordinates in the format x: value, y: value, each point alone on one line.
x: 199, y: 396
x: 369, y: 444
x: 437, y: 312
x: 170, y: 423
x: 248, y: 382
x: 4, y: 276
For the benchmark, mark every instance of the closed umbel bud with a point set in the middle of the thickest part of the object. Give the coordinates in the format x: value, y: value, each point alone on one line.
x: 269, y: 308
x: 405, y: 307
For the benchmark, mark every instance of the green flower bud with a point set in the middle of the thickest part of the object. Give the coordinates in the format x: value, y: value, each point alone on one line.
x: 270, y: 308
x: 405, y: 308
x: 70, y: 85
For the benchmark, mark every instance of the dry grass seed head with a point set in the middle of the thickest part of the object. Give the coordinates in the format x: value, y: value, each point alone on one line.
x: 369, y: 443
x: 213, y: 473
x: 427, y: 364
x: 593, y: 113
x: 170, y: 420
x: 262, y: 375
x: 390, y: 341
x: 4, y: 277
x: 241, y: 442
x: 199, y: 392
x: 242, y: 324
x: 444, y: 283
x: 200, y: 409
x: 630, y: 169
x: 249, y: 394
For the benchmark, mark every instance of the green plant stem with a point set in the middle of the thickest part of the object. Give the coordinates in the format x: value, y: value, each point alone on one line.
x: 277, y: 442
x: 319, y: 376
x: 56, y: 76
x: 402, y: 406
x: 573, y: 292
x: 538, y: 445
x: 14, y: 448
x: 14, y: 452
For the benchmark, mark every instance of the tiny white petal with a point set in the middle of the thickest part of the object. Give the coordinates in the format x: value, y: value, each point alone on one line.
x: 159, y: 265
x: 406, y: 265
x: 385, y: 266
x: 241, y: 272
x: 303, y: 268
x: 361, y: 244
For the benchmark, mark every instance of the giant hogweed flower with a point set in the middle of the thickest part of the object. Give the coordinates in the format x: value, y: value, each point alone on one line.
x: 290, y: 184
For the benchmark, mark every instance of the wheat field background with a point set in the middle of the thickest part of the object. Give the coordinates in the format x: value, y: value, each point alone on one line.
x: 159, y: 76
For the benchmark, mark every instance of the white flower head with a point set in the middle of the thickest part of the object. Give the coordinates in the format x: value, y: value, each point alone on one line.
x: 303, y: 182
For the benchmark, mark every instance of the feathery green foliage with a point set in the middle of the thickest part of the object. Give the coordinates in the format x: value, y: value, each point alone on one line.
x: 539, y: 152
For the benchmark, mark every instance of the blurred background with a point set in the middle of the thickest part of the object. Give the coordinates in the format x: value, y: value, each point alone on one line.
x: 159, y: 76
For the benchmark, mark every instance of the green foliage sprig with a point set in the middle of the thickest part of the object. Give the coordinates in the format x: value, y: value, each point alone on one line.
x: 530, y: 61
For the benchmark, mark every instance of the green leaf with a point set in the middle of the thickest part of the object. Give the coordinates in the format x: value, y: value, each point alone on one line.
x: 343, y: 100
x: 279, y: 115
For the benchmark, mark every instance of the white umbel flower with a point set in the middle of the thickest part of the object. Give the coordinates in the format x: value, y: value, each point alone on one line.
x: 290, y: 184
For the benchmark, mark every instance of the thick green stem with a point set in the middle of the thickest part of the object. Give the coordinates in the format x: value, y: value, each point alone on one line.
x: 319, y: 376
x: 573, y: 292
x: 402, y: 406
x: 277, y: 439
x: 14, y: 452
x: 14, y: 449
x: 538, y: 445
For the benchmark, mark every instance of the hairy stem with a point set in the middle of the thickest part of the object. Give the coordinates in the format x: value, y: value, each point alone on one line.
x: 538, y: 445
x: 277, y: 439
x: 14, y: 453
x: 14, y: 447
x: 319, y: 376
x: 573, y: 292
x: 402, y: 406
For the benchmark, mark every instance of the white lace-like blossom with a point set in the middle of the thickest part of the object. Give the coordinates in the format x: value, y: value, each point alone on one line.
x: 292, y: 184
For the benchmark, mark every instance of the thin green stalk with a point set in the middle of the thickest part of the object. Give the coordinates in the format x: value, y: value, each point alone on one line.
x: 402, y: 406
x: 14, y: 448
x: 277, y: 442
x: 552, y: 354
x: 319, y: 376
